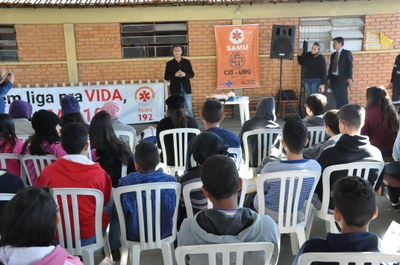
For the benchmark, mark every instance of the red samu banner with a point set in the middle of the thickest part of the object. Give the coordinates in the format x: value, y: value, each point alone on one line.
x: 237, y: 56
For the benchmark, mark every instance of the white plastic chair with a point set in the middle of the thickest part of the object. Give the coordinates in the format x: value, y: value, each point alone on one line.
x: 69, y: 200
x: 6, y: 196
x: 291, y: 187
x: 266, y: 139
x: 146, y: 225
x: 180, y: 139
x: 34, y: 164
x: 126, y: 135
x: 23, y: 137
x: 8, y: 157
x: 344, y: 258
x: 195, y: 186
x: 361, y: 169
x: 316, y: 134
x: 236, y: 155
x: 234, y: 253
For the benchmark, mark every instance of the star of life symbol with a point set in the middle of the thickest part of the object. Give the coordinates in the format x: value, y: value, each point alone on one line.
x: 237, y: 60
x: 236, y: 36
x: 144, y: 95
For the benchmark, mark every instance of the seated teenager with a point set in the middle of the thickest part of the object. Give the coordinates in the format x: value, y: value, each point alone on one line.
x: 226, y: 222
x: 332, y: 130
x: 294, y: 138
x: 146, y: 160
x: 27, y: 231
x: 355, y: 208
x: 315, y: 108
x: 204, y: 145
x: 75, y: 170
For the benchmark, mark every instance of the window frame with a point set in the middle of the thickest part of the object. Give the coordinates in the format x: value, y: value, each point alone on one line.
x: 8, y: 43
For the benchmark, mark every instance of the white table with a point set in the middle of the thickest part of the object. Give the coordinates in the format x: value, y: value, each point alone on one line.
x: 243, y: 103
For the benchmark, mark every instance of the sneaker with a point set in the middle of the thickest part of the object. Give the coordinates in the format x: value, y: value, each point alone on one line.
x: 396, y: 206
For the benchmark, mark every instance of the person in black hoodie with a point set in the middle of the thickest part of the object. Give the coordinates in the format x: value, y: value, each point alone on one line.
x: 264, y: 118
x: 355, y: 208
x: 351, y: 146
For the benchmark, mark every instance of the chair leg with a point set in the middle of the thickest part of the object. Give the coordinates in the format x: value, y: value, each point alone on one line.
x: 135, y: 255
x: 310, y: 221
x: 124, y: 256
x: 168, y: 252
x: 294, y: 243
x: 301, y: 238
x: 88, y: 257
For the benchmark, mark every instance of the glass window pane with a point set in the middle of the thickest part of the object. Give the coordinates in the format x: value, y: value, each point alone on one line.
x: 134, y: 52
x: 137, y: 40
x: 133, y: 28
x: 8, y: 55
x: 171, y: 27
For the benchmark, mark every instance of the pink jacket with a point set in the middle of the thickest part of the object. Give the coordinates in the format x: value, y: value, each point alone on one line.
x: 59, y: 256
x: 13, y: 166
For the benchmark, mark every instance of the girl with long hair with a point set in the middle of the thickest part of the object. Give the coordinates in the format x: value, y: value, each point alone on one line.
x: 9, y: 143
x: 381, y: 120
x: 107, y: 148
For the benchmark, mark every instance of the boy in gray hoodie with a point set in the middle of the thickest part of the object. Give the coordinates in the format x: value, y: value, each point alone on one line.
x: 226, y: 222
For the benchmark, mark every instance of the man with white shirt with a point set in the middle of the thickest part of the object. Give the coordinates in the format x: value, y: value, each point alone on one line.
x: 75, y: 170
x: 340, y: 73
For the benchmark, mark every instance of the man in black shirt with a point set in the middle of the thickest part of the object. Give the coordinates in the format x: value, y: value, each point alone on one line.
x: 179, y: 71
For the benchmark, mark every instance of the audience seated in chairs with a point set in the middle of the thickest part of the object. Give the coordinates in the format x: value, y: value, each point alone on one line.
x: 45, y: 140
x: 294, y: 139
x: 355, y: 207
x: 226, y: 222
x: 9, y: 143
x: 212, y: 114
x: 315, y: 108
x: 75, y: 170
x: 204, y: 145
x: 146, y: 160
x: 332, y: 130
x: 351, y: 146
x: 381, y: 121
x: 264, y: 118
x: 21, y: 113
x: 28, y: 229
x: 107, y: 149
x: 176, y: 118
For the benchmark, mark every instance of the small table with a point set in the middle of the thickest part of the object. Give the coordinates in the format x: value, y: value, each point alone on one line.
x: 243, y: 103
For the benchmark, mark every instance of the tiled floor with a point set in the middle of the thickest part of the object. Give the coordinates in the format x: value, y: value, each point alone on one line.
x: 378, y: 226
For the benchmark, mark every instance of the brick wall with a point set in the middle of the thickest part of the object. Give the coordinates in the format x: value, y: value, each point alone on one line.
x: 98, y: 41
x: 40, y: 43
x: 39, y: 74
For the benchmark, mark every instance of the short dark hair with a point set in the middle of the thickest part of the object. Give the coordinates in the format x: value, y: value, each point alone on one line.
x: 147, y: 156
x: 212, y: 110
x: 295, y: 135
x: 74, y: 137
x: 220, y: 176
x: 316, y: 44
x: 339, y: 39
x: 352, y: 115
x: 317, y: 103
x: 331, y: 120
x: 177, y: 46
x: 354, y: 197
x: 29, y: 219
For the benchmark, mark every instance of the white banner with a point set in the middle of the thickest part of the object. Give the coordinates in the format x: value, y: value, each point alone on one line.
x: 140, y: 103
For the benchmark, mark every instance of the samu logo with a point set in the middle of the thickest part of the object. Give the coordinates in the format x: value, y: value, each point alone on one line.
x: 144, y: 95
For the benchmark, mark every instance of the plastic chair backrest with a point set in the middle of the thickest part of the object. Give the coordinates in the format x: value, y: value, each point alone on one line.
x: 180, y: 139
x: 146, y: 225
x: 39, y: 162
x: 196, y: 186
x: 344, y: 258
x: 225, y: 251
x: 360, y: 168
x: 126, y: 135
x: 236, y: 155
x: 266, y: 139
x: 4, y: 157
x: 68, y: 201
x: 6, y: 196
x: 23, y: 137
x: 292, y: 196
x: 316, y: 134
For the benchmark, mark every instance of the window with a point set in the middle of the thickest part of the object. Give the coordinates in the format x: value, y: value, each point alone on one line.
x: 8, y: 43
x: 153, y: 39
x: 324, y: 29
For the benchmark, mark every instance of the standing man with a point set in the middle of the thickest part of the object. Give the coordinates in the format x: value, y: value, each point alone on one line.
x: 179, y: 71
x: 395, y: 80
x: 340, y: 73
x: 6, y: 83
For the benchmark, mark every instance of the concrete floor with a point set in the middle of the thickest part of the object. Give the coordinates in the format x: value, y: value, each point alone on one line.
x: 377, y: 226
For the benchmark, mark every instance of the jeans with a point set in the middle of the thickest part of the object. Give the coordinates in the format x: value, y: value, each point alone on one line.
x: 312, y: 85
x: 188, y: 102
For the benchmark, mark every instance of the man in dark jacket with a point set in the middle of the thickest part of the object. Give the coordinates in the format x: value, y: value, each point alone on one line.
x: 179, y: 71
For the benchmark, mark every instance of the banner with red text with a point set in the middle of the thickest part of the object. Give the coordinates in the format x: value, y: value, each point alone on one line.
x: 140, y: 103
x: 237, y: 56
